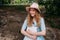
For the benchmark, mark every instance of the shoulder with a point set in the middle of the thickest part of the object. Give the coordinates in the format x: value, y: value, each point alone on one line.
x: 25, y: 19
x: 41, y: 18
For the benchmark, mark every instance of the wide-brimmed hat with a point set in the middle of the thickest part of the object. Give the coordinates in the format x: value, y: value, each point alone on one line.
x: 35, y: 6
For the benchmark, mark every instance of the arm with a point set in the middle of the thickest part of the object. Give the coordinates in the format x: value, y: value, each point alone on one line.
x: 27, y: 34
x: 24, y: 26
x: 43, y: 28
x: 42, y: 33
x: 24, y: 32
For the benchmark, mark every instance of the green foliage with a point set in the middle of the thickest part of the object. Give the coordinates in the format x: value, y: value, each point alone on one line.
x: 52, y: 11
x: 5, y: 1
x: 16, y: 2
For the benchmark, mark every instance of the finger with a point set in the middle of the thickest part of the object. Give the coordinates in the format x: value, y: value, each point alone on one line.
x: 28, y: 30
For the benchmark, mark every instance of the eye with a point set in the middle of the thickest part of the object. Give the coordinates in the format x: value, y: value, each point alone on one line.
x: 32, y: 9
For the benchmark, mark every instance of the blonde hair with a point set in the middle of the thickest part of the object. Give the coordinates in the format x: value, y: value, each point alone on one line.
x: 30, y: 19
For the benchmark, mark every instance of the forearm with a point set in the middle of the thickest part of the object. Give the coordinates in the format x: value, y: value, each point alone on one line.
x: 42, y: 33
x: 25, y: 33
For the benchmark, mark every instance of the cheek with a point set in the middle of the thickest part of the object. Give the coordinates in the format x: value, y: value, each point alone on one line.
x: 32, y: 12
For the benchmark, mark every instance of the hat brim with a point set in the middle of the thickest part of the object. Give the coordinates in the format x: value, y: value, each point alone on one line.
x: 28, y: 9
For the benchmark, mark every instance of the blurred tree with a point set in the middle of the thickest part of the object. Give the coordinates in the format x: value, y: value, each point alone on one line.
x: 52, y: 11
x: 0, y: 2
x: 5, y: 1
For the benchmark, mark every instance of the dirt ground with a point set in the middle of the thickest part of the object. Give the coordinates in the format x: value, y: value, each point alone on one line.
x: 11, y: 21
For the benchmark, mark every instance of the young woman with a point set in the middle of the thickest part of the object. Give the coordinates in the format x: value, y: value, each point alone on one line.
x: 34, y: 27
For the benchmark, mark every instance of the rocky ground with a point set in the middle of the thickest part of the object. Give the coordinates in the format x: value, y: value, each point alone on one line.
x: 11, y: 21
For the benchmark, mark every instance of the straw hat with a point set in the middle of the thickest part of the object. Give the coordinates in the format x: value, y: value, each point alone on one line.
x: 35, y: 6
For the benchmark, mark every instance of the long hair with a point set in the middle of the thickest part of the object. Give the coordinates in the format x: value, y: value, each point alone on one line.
x: 30, y: 19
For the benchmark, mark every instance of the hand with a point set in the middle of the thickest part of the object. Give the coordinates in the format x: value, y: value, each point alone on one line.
x: 34, y: 37
x: 31, y: 33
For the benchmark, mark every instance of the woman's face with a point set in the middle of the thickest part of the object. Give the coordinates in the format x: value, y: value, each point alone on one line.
x: 32, y: 12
